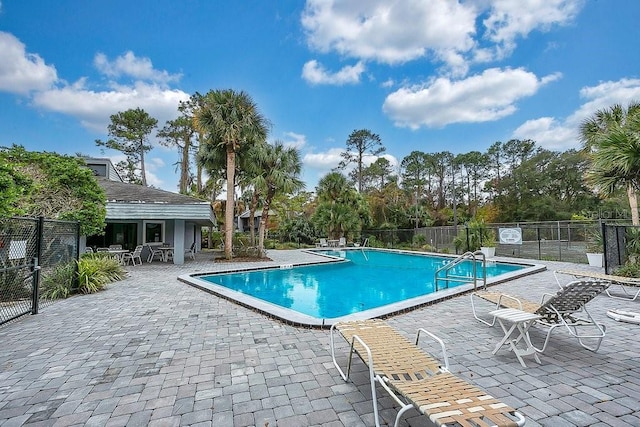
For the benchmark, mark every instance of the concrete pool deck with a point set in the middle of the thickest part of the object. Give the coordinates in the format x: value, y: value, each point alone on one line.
x: 150, y: 350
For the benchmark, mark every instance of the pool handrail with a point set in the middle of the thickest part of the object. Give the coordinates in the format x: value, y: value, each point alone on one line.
x: 465, y: 279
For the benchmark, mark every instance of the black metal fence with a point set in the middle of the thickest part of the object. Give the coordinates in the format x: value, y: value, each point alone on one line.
x: 550, y: 241
x: 620, y: 243
x: 31, y: 248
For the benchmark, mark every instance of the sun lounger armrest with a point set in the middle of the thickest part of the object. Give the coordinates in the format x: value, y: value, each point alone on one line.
x: 546, y: 297
x: 511, y: 298
x: 439, y: 341
x: 352, y: 350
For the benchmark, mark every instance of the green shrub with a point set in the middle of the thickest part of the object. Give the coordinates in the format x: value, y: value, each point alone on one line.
x: 15, y: 285
x: 595, y: 242
x: 473, y: 236
x: 59, y: 282
x: 94, y: 272
x: 630, y: 269
x: 419, y: 240
x: 375, y: 243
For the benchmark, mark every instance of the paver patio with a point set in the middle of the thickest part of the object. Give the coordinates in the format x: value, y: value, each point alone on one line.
x: 150, y: 350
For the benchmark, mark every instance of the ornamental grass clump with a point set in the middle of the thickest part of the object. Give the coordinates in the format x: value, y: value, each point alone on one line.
x: 93, y: 273
x: 58, y: 283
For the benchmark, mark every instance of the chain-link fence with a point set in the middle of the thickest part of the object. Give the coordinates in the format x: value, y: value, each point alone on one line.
x: 551, y: 241
x: 30, y: 249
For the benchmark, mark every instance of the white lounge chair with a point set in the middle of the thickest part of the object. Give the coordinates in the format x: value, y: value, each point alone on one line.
x: 621, y: 281
x: 414, y: 379
x: 559, y: 309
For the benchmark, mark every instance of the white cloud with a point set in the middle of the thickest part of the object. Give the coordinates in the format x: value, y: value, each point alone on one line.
x: 388, y: 83
x: 548, y: 133
x: 153, y: 166
x: 94, y: 108
x: 555, y: 134
x: 484, y: 97
x: 388, y: 31
x: 316, y: 74
x: 22, y: 72
x: 132, y: 66
x: 295, y: 140
x: 510, y: 19
x: 324, y: 161
x: 319, y: 164
x: 454, y: 33
x: 155, y: 163
x: 605, y: 95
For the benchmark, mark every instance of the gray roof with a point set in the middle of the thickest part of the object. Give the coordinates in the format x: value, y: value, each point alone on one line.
x: 122, y: 192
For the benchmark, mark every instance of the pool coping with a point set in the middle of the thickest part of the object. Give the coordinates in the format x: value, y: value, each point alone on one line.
x: 295, y: 318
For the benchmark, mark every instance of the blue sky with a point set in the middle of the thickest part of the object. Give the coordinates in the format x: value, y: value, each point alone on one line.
x: 425, y: 75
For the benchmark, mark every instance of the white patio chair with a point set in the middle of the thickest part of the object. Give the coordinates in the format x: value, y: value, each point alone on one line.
x: 191, y: 252
x: 154, y: 254
x: 133, y: 256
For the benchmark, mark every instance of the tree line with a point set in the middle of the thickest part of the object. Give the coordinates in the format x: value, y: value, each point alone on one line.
x: 223, y: 135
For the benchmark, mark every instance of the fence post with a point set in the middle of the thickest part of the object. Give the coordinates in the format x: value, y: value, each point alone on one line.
x: 466, y: 229
x: 35, y: 267
x: 559, y: 243
x: 539, y: 243
x: 603, y: 231
x: 76, y: 279
x: 35, y: 288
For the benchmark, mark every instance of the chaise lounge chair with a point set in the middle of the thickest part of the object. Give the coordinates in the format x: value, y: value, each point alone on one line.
x: 615, y: 280
x: 414, y: 379
x: 558, y: 309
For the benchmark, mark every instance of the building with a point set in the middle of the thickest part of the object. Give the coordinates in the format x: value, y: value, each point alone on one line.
x: 138, y: 215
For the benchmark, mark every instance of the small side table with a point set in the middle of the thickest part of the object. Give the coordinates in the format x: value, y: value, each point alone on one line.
x: 522, y: 321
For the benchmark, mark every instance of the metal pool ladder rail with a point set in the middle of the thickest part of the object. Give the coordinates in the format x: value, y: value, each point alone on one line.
x: 447, y: 276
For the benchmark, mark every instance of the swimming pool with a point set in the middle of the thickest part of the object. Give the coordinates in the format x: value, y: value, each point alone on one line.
x: 360, y: 284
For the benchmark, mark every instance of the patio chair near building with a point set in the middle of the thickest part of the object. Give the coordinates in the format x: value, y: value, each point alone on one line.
x: 415, y: 379
x: 133, y: 256
x: 191, y: 252
x: 154, y: 253
x: 322, y: 243
x: 560, y: 309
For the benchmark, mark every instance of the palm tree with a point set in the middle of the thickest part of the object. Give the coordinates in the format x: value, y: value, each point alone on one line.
x: 276, y: 169
x: 230, y: 121
x: 612, y: 136
x: 341, y: 209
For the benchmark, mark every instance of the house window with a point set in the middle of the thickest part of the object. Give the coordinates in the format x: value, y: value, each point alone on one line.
x: 153, y: 231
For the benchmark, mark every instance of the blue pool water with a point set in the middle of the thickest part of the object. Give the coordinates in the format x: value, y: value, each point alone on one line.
x: 369, y: 280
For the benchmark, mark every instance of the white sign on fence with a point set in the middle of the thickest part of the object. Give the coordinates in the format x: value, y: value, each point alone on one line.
x: 510, y: 236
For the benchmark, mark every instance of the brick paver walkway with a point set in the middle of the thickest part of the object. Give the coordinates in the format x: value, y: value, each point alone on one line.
x: 151, y: 350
